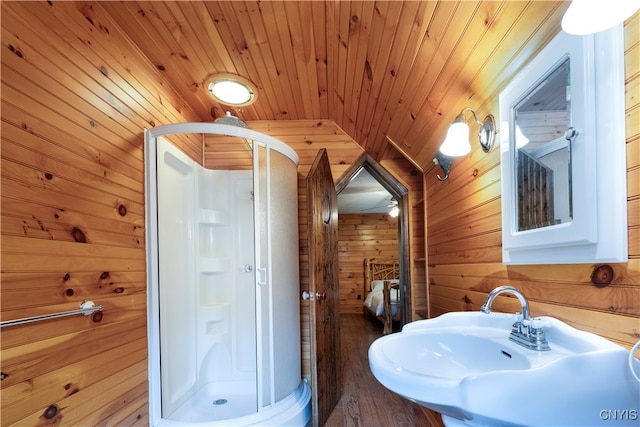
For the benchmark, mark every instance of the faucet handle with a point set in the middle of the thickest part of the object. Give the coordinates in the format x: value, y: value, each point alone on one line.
x: 538, y: 339
x: 537, y: 323
x: 518, y: 318
x: 517, y: 323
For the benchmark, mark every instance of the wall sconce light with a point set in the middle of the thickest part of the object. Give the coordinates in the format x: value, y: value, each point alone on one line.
x: 457, y: 141
x: 592, y: 16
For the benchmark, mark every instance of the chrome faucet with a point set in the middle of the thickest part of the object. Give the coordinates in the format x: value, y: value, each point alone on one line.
x: 525, y: 331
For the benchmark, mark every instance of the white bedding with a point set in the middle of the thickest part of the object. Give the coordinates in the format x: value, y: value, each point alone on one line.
x: 375, y: 300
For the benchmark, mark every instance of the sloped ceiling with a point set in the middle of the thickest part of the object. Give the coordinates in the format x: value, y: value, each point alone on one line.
x: 381, y: 70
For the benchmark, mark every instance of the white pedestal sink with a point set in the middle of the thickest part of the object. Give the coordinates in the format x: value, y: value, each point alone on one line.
x: 464, y: 366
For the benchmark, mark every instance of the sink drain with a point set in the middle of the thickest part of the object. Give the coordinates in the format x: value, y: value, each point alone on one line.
x: 220, y: 401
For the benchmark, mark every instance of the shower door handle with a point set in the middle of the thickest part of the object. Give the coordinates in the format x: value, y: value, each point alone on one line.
x: 262, y: 276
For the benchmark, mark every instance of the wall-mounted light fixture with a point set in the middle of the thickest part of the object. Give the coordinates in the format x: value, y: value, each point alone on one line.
x: 592, y: 16
x: 444, y: 162
x: 230, y: 89
x: 457, y: 141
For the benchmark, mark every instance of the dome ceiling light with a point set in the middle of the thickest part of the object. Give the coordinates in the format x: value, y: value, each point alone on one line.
x: 230, y: 89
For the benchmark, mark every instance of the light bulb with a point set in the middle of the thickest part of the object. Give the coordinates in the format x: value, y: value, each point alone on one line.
x: 457, y: 141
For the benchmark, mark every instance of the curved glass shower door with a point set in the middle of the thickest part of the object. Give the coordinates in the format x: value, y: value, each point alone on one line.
x: 223, y: 279
x: 278, y: 273
x: 277, y: 234
x: 207, y: 293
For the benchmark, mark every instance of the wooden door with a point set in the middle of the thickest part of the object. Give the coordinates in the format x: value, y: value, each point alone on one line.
x: 326, y: 366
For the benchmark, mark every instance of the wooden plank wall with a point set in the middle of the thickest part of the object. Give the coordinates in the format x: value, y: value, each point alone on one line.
x: 76, y: 95
x: 362, y: 236
x: 73, y: 113
x: 464, y: 239
x: 95, y: 111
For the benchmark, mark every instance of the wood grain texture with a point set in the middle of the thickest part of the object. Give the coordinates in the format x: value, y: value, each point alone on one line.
x: 365, y: 402
x: 76, y: 96
x: 464, y: 241
x: 326, y: 380
x: 362, y: 236
x: 81, y: 80
x: 376, y: 69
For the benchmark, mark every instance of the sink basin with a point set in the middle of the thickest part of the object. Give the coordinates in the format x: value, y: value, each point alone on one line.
x: 464, y: 366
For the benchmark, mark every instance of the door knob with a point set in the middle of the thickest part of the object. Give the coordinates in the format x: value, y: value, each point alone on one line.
x: 318, y: 296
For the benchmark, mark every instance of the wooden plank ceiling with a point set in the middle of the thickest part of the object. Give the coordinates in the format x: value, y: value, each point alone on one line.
x: 399, y: 70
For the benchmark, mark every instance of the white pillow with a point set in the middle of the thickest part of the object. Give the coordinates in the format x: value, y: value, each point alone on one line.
x: 377, y: 285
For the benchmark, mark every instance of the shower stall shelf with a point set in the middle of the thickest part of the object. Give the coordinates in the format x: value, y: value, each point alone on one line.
x: 224, y: 337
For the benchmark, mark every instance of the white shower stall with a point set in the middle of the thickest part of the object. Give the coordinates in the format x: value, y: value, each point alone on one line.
x: 223, y: 283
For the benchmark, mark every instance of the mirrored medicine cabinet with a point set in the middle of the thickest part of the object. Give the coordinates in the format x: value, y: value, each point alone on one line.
x: 563, y: 154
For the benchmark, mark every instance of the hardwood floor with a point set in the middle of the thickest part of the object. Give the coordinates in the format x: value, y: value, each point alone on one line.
x: 365, y: 402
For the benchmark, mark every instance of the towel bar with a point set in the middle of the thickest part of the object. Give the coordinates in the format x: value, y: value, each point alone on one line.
x: 86, y: 308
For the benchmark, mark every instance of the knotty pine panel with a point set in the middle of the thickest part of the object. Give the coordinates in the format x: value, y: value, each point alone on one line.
x: 130, y: 378
x: 397, y: 69
x: 71, y: 58
x: 464, y: 241
x: 53, y: 222
x: 22, y: 291
x: 76, y: 96
x: 306, y: 137
x: 86, y: 170
x: 76, y: 68
x: 362, y: 236
x: 493, y: 61
x: 133, y: 400
x: 227, y: 152
x: 18, y: 400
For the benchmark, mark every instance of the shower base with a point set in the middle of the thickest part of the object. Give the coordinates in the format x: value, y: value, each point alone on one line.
x: 208, y: 407
x: 219, y: 401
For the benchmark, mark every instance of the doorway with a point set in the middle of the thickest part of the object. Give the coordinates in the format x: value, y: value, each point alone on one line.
x: 395, y: 194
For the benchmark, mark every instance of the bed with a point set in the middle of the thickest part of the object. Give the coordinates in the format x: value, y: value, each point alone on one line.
x: 382, y: 283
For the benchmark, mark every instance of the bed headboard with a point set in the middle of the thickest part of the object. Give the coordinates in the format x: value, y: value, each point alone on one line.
x: 375, y: 269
